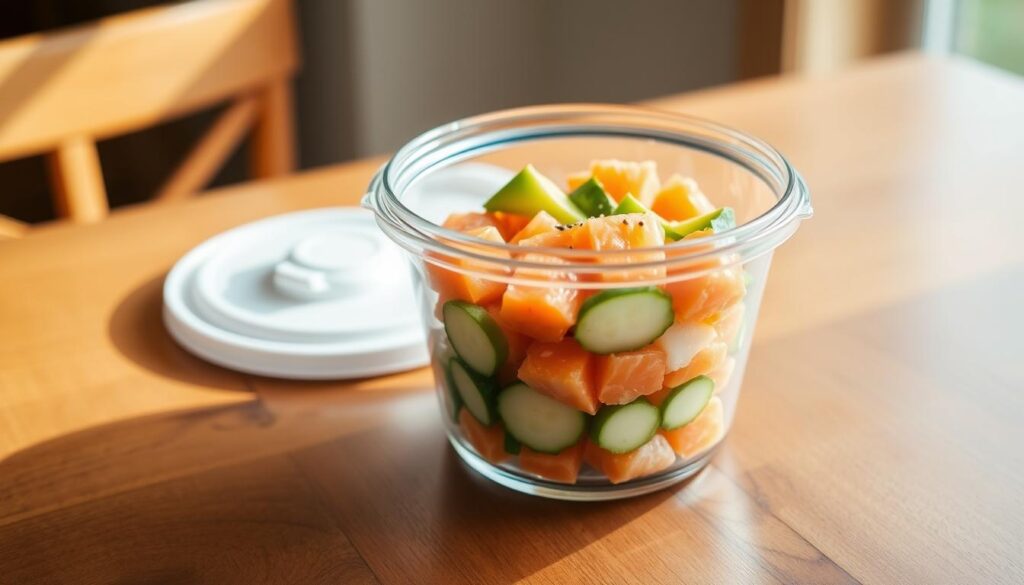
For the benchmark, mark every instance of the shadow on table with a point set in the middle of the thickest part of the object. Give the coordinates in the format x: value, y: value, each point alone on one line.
x: 416, y: 513
x: 204, y: 495
x: 338, y: 486
x: 136, y: 328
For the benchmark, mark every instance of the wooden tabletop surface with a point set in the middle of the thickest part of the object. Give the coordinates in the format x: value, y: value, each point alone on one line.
x: 879, y: 438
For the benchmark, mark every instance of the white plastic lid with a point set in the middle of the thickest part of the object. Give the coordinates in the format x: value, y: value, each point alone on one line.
x: 319, y: 294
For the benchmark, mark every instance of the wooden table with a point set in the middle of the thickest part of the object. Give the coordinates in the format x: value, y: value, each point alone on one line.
x: 880, y: 437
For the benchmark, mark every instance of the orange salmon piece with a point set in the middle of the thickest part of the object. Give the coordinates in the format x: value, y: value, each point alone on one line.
x: 451, y: 284
x: 652, y: 457
x: 561, y: 370
x: 489, y: 442
x: 700, y: 434
x: 706, y: 361
x: 623, y: 377
x: 563, y: 467
x: 541, y: 223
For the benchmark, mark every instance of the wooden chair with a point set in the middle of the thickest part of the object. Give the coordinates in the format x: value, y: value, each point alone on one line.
x: 63, y: 91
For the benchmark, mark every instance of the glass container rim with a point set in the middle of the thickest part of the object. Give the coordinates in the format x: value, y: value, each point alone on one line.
x: 471, y: 135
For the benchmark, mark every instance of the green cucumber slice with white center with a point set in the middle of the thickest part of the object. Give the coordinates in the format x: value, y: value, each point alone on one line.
x: 685, y: 402
x: 620, y: 429
x: 475, y: 336
x: 477, y: 392
x: 623, y: 319
x: 539, y: 421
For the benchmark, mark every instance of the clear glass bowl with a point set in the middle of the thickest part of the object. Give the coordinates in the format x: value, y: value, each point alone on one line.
x: 715, y: 282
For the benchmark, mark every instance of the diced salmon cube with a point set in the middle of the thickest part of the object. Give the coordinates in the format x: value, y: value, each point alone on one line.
x: 509, y: 224
x: 489, y: 442
x: 546, y: 311
x: 622, y: 177
x: 541, y: 223
x: 722, y: 374
x: 706, y: 361
x: 728, y: 322
x: 680, y: 199
x: 622, y: 377
x: 623, y: 232
x: 576, y: 179
x: 563, y: 467
x: 697, y: 299
x: 552, y: 239
x: 451, y: 283
x: 464, y: 222
x: 654, y: 456
x: 701, y: 433
x: 563, y: 371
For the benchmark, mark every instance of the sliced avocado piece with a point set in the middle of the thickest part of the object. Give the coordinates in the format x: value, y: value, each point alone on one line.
x: 718, y: 220
x: 630, y: 204
x: 592, y: 199
x: 530, y: 192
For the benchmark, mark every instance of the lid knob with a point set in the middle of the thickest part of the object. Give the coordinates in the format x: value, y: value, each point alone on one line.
x: 327, y: 265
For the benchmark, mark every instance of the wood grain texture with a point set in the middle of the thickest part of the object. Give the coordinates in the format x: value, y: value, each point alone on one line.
x: 251, y: 523
x: 878, y: 439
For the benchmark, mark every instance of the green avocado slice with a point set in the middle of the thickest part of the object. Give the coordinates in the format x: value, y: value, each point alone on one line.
x: 718, y: 220
x: 530, y: 192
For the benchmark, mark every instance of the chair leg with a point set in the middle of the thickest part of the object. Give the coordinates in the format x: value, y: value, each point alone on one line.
x: 77, y: 181
x: 273, y: 145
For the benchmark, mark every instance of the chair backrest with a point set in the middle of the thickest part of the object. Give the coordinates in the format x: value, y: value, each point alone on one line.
x: 62, y: 91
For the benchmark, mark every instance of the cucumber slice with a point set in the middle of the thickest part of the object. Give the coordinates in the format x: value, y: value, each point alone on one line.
x: 718, y: 220
x: 454, y: 400
x: 539, y: 421
x: 477, y: 392
x: 620, y: 429
x: 686, y: 401
x: 512, y: 446
x: 592, y: 199
x: 623, y: 319
x: 529, y: 192
x: 475, y: 336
